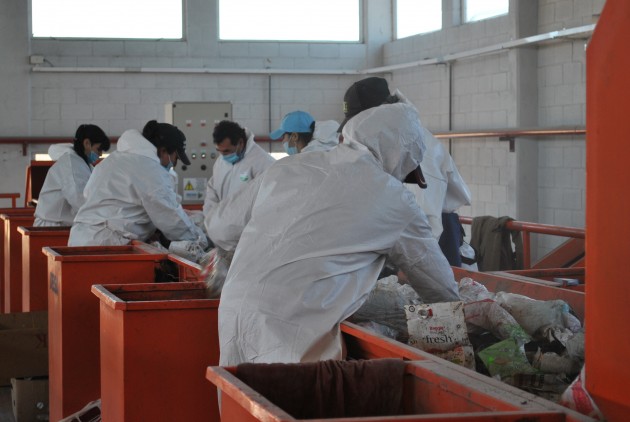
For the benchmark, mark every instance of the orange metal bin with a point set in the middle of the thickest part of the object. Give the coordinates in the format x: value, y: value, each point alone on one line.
x: 156, y: 341
x: 188, y: 270
x: 431, y: 392
x: 73, y: 315
x: 35, y: 265
x: 8, y: 211
x: 13, y: 259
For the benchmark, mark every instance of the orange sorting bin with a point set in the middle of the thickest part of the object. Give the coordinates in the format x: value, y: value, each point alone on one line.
x: 13, y: 259
x: 35, y: 265
x: 431, y: 391
x: 156, y: 342
x: 8, y: 211
x: 73, y: 315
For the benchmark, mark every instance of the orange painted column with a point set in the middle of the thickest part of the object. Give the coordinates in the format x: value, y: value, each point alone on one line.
x: 13, y: 260
x: 607, y: 205
x: 35, y: 264
x: 73, y: 315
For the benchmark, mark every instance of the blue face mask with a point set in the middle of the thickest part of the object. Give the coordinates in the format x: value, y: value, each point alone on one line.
x: 93, y: 157
x: 289, y: 150
x: 169, y: 165
x: 232, y: 158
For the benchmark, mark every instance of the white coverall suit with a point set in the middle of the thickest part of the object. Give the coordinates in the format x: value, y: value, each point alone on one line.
x: 228, y: 178
x: 313, y: 233
x: 446, y: 190
x: 128, y: 196
x: 61, y: 195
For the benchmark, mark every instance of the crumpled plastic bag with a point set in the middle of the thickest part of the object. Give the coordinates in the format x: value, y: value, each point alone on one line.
x: 487, y: 315
x: 506, y: 359
x: 472, y: 291
x: 484, y: 314
x: 552, y: 363
x: 215, y: 265
x: 385, y: 305
x: 440, y: 329
x: 576, y: 397
x: 536, y: 316
x: 191, y: 250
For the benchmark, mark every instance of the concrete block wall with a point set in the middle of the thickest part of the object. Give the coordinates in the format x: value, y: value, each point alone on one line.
x: 483, y: 93
x: 483, y: 96
x: 562, y: 102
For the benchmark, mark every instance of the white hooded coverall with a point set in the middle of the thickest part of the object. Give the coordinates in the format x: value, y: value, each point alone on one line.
x: 325, y: 136
x: 228, y: 179
x: 128, y: 196
x: 313, y: 233
x: 446, y: 190
x: 61, y: 195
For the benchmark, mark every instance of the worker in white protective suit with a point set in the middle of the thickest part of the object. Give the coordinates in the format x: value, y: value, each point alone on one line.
x: 311, y: 236
x: 300, y: 132
x: 61, y: 195
x: 446, y: 190
x: 130, y: 194
x: 241, y: 161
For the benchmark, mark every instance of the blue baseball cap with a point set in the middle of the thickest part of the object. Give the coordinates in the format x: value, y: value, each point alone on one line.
x: 296, y: 121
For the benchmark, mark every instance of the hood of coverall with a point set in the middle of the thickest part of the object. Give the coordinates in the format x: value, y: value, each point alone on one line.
x: 55, y: 151
x: 132, y: 141
x: 325, y: 136
x: 392, y: 133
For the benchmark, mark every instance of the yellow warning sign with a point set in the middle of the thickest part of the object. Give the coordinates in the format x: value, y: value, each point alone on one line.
x: 189, y: 186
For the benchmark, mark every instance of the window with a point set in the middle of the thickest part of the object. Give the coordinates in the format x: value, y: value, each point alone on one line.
x: 289, y: 20
x: 138, y: 19
x: 417, y: 17
x: 476, y: 10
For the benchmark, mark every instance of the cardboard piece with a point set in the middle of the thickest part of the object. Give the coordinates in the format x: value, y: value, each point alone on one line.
x: 29, y: 397
x: 23, y: 345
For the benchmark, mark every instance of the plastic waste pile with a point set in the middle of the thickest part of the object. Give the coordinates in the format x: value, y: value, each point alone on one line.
x: 535, y: 345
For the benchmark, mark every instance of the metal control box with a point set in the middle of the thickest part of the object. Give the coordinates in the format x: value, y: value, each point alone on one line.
x: 196, y: 120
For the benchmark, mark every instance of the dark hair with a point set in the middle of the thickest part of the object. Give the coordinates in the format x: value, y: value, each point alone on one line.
x: 153, y: 134
x: 96, y: 136
x: 228, y: 129
x: 306, y: 137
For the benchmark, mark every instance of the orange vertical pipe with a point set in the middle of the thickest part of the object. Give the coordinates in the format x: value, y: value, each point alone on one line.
x: 607, y: 205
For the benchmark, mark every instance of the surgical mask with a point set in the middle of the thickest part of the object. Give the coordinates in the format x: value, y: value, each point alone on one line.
x: 169, y: 165
x: 93, y: 157
x: 289, y: 150
x: 234, y: 157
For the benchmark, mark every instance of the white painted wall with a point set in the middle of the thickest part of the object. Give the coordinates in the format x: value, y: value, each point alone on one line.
x: 544, y: 87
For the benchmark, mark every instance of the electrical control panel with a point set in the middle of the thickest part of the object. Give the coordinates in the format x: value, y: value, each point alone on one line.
x: 196, y: 120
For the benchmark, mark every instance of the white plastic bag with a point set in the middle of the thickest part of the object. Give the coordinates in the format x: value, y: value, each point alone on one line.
x: 440, y: 329
x: 472, y: 291
x: 536, y: 316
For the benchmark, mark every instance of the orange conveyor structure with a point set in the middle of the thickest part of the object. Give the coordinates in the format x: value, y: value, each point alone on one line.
x: 607, y: 176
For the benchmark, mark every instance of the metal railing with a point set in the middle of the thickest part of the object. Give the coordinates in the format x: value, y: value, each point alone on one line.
x: 527, y: 229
